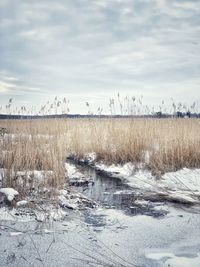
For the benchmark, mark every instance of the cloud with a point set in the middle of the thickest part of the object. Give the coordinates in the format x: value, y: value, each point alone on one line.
x: 35, y: 35
x: 84, y: 47
x: 5, y: 87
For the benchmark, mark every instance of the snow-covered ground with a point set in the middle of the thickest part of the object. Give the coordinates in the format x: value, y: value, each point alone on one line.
x: 75, y: 229
x: 36, y: 206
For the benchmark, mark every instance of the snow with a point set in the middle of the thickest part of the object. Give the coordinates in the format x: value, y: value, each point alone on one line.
x: 171, y: 259
x: 56, y: 214
x: 21, y: 203
x: 67, y: 203
x: 75, y: 176
x: 10, y: 193
x: 38, y: 175
x: 183, y: 184
x: 72, y: 171
x: 119, y: 171
x: 90, y: 157
x: 30, y: 177
x: 15, y: 233
x: 13, y: 215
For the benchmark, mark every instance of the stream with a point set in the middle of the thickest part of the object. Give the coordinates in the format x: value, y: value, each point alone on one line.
x: 123, y: 230
x: 113, y: 193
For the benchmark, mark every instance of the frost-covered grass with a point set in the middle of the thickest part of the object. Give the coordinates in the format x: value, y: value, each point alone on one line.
x: 29, y: 146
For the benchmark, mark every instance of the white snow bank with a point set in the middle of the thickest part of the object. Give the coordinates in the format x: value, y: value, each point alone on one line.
x: 123, y: 171
x: 76, y: 177
x: 183, y: 184
x: 185, y: 179
x: 72, y: 171
x: 10, y: 193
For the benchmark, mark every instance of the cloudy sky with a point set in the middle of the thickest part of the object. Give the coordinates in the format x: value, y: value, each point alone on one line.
x: 89, y: 50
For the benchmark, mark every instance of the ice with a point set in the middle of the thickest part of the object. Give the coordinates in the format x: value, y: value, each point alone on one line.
x: 170, y: 259
x: 12, y: 215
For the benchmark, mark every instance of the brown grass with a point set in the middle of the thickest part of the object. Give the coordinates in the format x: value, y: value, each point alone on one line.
x: 44, y: 144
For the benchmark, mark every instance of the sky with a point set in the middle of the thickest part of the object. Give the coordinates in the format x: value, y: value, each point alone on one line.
x: 91, y: 50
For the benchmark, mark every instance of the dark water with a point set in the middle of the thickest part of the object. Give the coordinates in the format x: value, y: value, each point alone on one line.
x: 116, y: 194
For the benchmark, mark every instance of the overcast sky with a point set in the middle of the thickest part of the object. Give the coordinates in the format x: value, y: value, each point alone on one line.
x: 89, y: 50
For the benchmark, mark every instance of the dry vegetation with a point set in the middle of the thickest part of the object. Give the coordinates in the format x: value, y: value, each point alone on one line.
x: 160, y: 144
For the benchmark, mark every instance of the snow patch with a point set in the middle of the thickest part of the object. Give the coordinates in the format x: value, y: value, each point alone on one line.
x: 67, y: 203
x: 15, y: 233
x: 21, y: 203
x: 120, y: 171
x: 10, y: 193
x: 72, y: 172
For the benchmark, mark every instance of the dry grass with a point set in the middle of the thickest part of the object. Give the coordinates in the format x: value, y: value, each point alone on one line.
x: 161, y: 144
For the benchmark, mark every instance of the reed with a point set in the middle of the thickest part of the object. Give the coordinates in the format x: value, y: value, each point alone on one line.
x: 159, y: 145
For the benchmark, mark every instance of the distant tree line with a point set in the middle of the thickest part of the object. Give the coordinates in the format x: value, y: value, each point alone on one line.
x: 177, y: 114
x: 159, y: 114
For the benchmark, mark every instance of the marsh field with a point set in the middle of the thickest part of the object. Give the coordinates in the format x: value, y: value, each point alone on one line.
x: 107, y: 178
x: 100, y: 133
